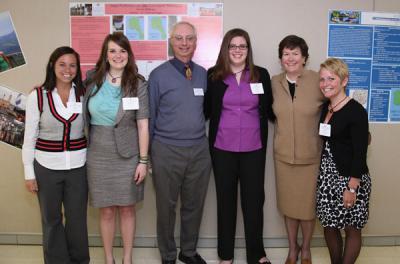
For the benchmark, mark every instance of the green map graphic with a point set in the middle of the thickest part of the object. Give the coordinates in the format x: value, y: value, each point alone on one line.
x: 136, y: 25
x: 157, y: 24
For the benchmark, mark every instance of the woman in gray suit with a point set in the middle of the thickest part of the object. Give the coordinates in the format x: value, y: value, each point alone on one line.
x: 116, y: 118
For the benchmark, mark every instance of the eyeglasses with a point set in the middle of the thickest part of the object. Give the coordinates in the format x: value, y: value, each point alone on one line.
x: 188, y: 38
x: 235, y: 47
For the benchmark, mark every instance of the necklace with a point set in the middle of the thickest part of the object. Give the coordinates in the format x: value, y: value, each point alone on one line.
x: 332, y: 108
x: 236, y: 73
x: 114, y: 79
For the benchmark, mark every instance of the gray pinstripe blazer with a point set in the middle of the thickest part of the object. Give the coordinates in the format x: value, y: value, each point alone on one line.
x: 125, y: 127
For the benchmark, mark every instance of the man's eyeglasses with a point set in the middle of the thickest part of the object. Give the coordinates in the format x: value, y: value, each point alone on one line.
x: 235, y: 47
x: 188, y: 38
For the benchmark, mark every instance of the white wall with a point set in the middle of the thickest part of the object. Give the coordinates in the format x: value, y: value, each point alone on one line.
x: 43, y: 25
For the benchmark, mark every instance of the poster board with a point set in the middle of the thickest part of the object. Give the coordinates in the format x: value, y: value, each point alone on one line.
x: 369, y: 42
x: 147, y: 26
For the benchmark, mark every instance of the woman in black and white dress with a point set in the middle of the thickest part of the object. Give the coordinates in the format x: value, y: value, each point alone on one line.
x: 344, y: 184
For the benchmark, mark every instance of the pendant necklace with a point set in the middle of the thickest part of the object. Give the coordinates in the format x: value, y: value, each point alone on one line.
x: 332, y: 108
x: 114, y: 79
x: 235, y: 73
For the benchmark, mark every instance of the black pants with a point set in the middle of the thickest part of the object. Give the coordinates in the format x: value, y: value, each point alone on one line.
x: 63, y: 244
x: 247, y: 169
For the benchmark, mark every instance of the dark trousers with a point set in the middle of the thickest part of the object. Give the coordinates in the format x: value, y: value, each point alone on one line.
x: 184, y: 172
x: 247, y: 169
x: 63, y: 244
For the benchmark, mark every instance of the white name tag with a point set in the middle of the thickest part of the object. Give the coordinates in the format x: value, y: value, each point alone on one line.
x: 74, y: 107
x: 257, y: 88
x: 198, y: 91
x: 130, y: 103
x: 325, y: 130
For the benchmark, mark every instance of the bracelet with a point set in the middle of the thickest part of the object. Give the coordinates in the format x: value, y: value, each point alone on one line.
x: 143, y: 161
x: 146, y: 158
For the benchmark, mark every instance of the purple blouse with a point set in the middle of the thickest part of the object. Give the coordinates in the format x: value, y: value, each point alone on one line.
x: 239, y: 125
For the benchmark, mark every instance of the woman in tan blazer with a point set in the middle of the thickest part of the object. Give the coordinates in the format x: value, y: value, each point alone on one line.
x: 297, y: 146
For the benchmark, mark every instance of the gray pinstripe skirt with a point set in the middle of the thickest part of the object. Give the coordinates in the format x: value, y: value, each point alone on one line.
x: 110, y: 176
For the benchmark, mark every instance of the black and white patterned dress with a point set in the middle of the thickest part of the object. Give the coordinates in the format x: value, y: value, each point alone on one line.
x: 330, y: 187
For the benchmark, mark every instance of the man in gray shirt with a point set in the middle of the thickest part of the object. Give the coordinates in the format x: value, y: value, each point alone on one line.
x: 179, y: 148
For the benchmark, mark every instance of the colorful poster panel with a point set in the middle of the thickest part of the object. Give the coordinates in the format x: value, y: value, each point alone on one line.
x: 147, y: 26
x: 11, y: 55
x: 12, y: 117
x: 369, y: 42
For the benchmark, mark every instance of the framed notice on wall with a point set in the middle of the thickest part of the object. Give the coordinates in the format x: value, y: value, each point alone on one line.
x: 370, y: 44
x: 147, y: 26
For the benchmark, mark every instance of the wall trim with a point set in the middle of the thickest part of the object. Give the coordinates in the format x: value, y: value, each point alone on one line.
x: 204, y: 242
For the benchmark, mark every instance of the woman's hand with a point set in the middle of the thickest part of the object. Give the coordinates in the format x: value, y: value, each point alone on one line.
x: 349, y: 199
x: 354, y: 183
x: 31, y: 186
x: 140, y: 173
x: 350, y: 195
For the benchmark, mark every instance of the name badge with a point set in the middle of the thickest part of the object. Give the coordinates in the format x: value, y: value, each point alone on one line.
x: 198, y: 91
x: 74, y: 107
x: 130, y: 103
x: 257, y: 88
x: 325, y: 130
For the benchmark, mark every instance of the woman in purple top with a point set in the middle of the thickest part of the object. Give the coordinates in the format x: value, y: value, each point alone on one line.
x: 238, y: 103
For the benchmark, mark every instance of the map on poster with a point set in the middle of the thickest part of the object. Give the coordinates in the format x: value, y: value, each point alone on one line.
x: 369, y: 42
x: 146, y: 25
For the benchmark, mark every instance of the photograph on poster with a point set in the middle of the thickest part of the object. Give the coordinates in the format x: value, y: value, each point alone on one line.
x: 118, y: 23
x: 81, y: 9
x: 12, y: 117
x: 11, y: 55
x: 345, y: 17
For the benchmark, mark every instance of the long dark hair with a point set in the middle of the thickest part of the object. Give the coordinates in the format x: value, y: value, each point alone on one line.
x: 130, y: 76
x: 222, y: 68
x: 51, y: 79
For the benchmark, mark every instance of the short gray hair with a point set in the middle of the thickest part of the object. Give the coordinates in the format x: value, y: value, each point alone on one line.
x: 173, y: 29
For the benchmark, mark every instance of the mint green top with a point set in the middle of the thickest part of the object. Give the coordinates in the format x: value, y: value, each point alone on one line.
x: 103, y: 107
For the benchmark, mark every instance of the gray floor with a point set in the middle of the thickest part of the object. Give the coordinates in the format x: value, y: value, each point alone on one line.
x: 10, y: 254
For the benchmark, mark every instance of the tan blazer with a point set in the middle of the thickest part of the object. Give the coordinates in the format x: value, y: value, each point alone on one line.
x: 296, y: 138
x: 125, y: 128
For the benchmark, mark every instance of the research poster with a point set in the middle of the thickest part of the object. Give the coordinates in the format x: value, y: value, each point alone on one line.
x: 370, y: 44
x: 146, y: 25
